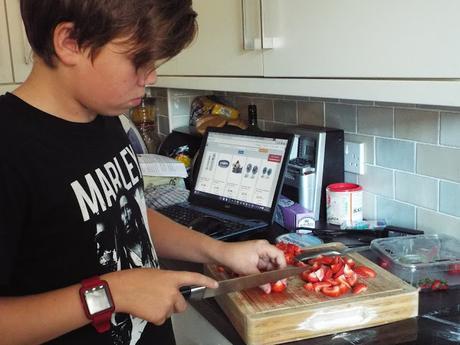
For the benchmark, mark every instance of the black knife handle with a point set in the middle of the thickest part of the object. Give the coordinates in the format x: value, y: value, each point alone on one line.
x: 194, y: 292
x: 186, y: 291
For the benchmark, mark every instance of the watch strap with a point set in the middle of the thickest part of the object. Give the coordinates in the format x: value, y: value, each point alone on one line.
x: 100, y: 320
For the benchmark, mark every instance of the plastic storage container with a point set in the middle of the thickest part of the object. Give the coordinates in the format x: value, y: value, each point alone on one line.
x: 421, y: 260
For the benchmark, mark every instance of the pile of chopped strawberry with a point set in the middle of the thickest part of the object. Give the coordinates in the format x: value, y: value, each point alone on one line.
x: 334, y: 276
x: 290, y: 251
x: 433, y: 284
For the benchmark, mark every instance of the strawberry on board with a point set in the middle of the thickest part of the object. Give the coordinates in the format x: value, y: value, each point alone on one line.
x: 359, y: 287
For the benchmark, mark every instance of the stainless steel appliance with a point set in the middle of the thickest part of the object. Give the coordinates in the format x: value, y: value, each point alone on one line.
x: 316, y: 160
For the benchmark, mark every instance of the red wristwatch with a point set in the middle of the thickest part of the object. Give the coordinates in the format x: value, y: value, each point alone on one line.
x: 97, y: 302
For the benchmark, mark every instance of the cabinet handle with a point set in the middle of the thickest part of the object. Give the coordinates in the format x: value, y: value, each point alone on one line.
x: 269, y: 41
x: 251, y: 25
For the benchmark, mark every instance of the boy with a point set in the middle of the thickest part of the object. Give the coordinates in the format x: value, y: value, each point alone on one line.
x: 73, y: 217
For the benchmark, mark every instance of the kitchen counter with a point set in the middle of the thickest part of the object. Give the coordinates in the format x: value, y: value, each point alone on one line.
x: 438, y: 321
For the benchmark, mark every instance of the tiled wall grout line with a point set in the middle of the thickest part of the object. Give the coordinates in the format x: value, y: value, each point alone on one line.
x: 394, y: 184
x: 393, y: 122
x: 439, y: 128
x: 324, y: 113
x: 438, y: 206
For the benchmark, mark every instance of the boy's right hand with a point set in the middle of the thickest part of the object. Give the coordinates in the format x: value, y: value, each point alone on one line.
x: 152, y: 294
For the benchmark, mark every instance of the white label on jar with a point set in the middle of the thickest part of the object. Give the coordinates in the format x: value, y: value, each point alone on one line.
x: 344, y: 207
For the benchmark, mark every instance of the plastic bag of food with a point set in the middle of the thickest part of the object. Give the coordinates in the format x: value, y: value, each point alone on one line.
x: 211, y: 105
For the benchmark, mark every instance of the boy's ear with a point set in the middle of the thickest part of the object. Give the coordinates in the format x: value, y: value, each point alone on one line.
x: 66, y: 47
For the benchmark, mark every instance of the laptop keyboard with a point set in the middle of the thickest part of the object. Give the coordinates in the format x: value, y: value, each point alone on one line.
x: 185, y: 216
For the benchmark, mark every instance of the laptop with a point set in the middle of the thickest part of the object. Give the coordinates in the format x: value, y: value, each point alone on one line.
x: 238, y: 176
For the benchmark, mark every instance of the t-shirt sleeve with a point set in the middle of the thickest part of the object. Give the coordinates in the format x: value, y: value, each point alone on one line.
x: 13, y: 210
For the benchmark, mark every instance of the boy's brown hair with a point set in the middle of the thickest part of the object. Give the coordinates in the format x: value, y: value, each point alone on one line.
x: 156, y: 30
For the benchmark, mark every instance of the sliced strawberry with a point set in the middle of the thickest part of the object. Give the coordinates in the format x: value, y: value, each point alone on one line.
x: 310, y: 277
x: 365, y: 271
x: 331, y: 291
x: 359, y: 287
x: 314, y: 260
x: 304, y: 275
x: 343, y: 280
x: 289, y: 258
x: 267, y: 288
x: 315, y: 266
x: 301, y: 264
x: 320, y: 285
x: 294, y: 249
x: 308, y: 287
x: 347, y: 270
x: 339, y: 260
x: 282, y: 246
x: 344, y: 288
x: 352, y: 279
x: 327, y: 273
x: 339, y: 272
x: 279, y: 286
x: 320, y: 273
x: 336, y: 267
x: 332, y: 281
x: 350, y: 262
x: 327, y: 260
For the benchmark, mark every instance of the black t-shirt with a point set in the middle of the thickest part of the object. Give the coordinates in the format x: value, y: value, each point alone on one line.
x: 71, y: 206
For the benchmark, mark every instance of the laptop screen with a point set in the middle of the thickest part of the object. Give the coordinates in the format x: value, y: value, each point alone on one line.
x: 242, y: 169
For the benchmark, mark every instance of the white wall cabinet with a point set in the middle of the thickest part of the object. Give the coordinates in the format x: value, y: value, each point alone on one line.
x: 219, y: 48
x: 324, y: 39
x: 363, y: 39
x: 20, y: 48
x: 6, y: 71
x: 392, y: 51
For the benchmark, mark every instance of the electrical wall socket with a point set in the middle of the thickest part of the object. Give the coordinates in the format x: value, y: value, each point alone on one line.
x: 354, y: 157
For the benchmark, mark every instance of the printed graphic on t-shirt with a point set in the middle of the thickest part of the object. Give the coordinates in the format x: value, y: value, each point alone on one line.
x: 125, y: 243
x: 112, y: 197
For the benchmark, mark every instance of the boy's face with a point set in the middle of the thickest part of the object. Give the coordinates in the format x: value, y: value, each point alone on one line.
x: 110, y: 84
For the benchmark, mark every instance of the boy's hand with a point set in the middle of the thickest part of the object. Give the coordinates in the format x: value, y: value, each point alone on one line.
x: 153, y: 294
x: 250, y: 257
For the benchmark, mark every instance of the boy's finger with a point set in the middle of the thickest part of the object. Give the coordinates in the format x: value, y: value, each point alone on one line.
x: 276, y: 255
x: 193, y: 278
x: 180, y: 305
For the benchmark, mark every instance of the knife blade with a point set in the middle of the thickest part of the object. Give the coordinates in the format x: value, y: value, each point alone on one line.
x: 240, y: 283
x: 326, y: 251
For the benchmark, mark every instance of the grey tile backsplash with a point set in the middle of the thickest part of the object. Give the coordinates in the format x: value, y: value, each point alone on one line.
x: 412, y: 152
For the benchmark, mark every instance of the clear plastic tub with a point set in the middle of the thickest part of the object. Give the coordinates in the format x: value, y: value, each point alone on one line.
x: 425, y: 261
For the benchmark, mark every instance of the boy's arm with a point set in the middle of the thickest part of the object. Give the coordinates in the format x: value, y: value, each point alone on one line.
x: 150, y: 294
x: 175, y: 241
x: 38, y: 318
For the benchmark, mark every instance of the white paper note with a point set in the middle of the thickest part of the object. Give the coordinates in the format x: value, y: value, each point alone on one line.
x: 156, y: 165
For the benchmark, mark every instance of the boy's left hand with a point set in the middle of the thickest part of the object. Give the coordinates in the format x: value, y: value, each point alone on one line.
x: 249, y: 257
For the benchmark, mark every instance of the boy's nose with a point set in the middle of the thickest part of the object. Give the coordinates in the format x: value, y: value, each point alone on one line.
x: 152, y: 77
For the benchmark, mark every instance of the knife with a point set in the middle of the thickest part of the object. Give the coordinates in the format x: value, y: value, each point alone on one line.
x: 312, y: 254
x: 240, y: 283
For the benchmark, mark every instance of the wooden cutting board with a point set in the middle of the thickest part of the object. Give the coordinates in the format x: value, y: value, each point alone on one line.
x: 296, y: 314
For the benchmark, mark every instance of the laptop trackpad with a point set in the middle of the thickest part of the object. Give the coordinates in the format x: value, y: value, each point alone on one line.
x: 207, y: 225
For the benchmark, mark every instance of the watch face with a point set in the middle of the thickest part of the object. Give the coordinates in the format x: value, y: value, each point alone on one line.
x: 97, y: 299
